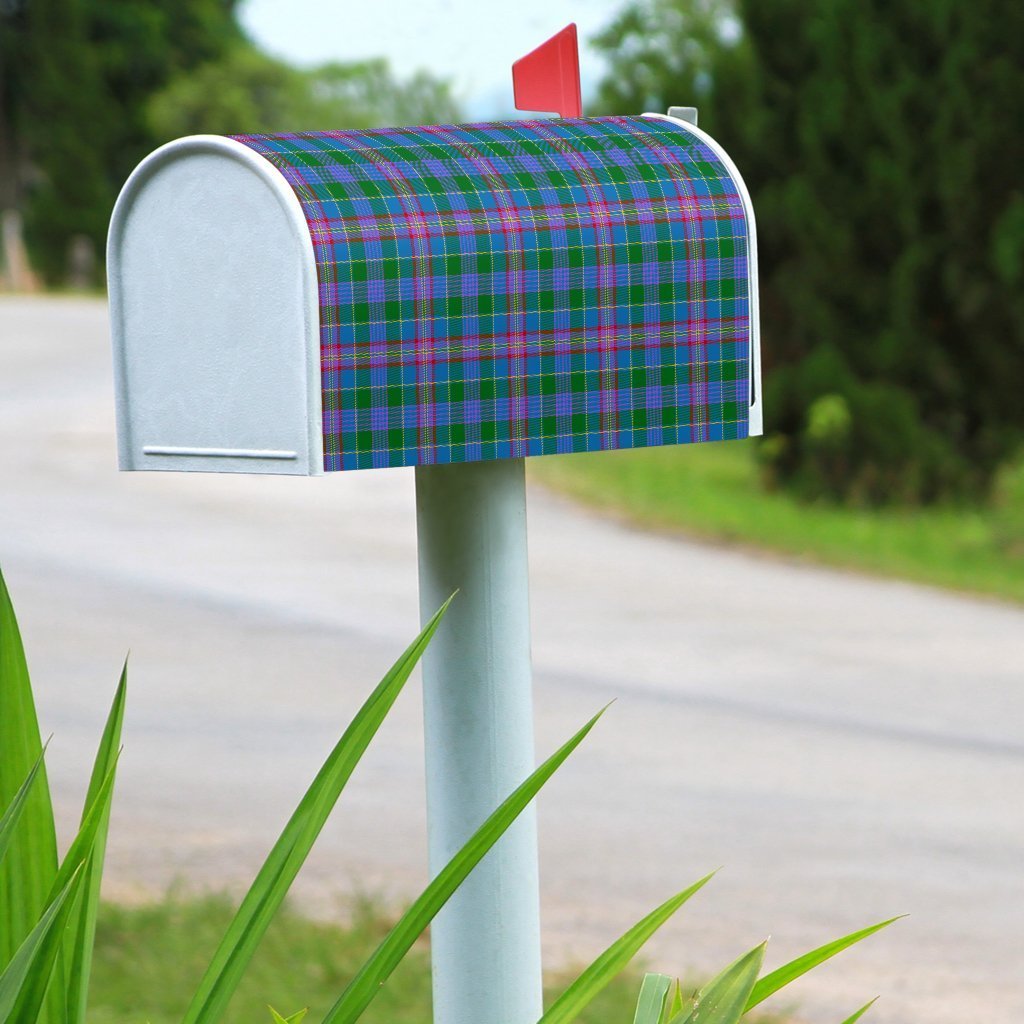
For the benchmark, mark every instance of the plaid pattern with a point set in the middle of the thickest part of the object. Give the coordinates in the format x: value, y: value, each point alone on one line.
x: 492, y: 291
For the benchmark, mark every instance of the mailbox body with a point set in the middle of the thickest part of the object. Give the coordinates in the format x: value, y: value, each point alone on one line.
x: 346, y: 300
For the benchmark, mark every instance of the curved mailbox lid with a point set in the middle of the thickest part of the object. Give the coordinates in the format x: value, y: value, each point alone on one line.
x: 525, y: 288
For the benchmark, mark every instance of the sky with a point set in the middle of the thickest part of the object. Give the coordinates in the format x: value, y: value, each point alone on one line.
x: 471, y: 42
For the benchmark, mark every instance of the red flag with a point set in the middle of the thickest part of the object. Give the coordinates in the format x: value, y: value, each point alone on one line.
x: 548, y: 78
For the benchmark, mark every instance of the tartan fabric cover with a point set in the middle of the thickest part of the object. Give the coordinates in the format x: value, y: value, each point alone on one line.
x: 522, y: 288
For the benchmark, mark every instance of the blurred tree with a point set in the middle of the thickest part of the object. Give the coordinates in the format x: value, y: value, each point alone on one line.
x: 244, y: 91
x: 880, y: 142
x: 248, y: 91
x: 88, y: 87
x: 75, y: 79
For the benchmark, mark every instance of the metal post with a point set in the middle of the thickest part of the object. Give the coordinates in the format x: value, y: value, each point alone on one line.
x: 478, y: 713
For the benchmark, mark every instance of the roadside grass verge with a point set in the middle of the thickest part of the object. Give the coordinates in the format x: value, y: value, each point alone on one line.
x: 712, y: 491
x: 149, y: 958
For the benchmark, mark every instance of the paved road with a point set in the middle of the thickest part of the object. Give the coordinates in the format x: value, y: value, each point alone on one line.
x: 846, y: 748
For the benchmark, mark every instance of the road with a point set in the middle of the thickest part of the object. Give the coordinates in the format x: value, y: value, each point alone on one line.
x: 846, y: 748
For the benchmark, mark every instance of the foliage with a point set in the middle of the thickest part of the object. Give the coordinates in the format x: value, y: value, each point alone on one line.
x: 77, y: 75
x: 890, y: 221
x: 48, y: 917
x: 714, y: 491
x: 148, y: 955
x: 725, y: 999
x: 89, y: 87
x: 48, y: 909
x: 249, y: 91
x: 1008, y: 510
x: 151, y: 955
x: 734, y: 992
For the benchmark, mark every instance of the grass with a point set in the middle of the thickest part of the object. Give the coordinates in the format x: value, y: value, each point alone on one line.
x: 713, y: 491
x: 149, y: 958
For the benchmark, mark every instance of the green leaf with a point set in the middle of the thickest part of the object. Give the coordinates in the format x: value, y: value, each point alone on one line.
x: 30, y: 866
x: 651, y: 1004
x: 723, y: 1000
x: 17, y: 805
x: 84, y: 843
x: 860, y: 1013
x: 675, y: 1006
x: 282, y: 864
x: 295, y: 1018
x: 372, y: 975
x: 82, y: 931
x: 26, y: 977
x: 73, y: 865
x: 771, y: 983
x: 572, y: 1001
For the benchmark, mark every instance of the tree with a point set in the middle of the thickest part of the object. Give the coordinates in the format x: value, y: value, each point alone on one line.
x: 75, y: 80
x: 248, y: 91
x: 874, y: 137
x: 88, y: 87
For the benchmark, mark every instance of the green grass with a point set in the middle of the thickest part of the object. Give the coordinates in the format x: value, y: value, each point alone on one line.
x: 713, y: 491
x: 150, y: 958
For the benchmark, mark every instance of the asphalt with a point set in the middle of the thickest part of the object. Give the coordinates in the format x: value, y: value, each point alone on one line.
x: 845, y: 748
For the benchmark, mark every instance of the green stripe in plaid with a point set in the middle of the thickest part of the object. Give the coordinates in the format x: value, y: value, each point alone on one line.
x: 498, y: 290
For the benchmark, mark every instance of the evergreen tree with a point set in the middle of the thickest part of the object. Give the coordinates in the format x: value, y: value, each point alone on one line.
x: 76, y: 78
x: 88, y: 87
x: 249, y: 91
x: 882, y: 147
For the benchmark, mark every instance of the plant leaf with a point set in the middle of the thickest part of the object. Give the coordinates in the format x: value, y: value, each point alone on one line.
x: 24, y: 980
x: 651, y: 1004
x: 295, y: 1018
x: 82, y: 930
x: 372, y: 975
x: 572, y: 1001
x: 860, y: 1013
x: 84, y: 843
x: 282, y: 864
x: 723, y: 1000
x: 17, y: 805
x: 30, y: 866
x: 675, y: 1006
x: 73, y: 866
x: 782, y: 976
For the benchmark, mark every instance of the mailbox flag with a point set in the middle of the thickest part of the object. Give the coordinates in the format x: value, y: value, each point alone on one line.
x: 548, y: 78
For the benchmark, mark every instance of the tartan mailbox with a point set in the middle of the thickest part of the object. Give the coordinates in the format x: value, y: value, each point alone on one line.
x: 321, y: 301
x: 454, y: 298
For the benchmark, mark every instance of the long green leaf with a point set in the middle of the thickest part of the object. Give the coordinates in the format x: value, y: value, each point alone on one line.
x: 372, y: 975
x: 13, y: 813
x: 73, y: 866
x: 82, y: 931
x: 282, y: 865
x: 28, y: 870
x: 651, y: 1004
x: 572, y: 1001
x: 84, y: 843
x: 853, y: 1018
x: 782, y: 976
x: 32, y: 964
x: 723, y: 1000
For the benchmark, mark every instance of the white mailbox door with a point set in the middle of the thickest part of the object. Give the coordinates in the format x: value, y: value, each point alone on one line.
x: 215, y: 315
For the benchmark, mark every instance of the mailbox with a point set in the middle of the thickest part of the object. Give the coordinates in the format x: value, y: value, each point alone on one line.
x: 310, y: 302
